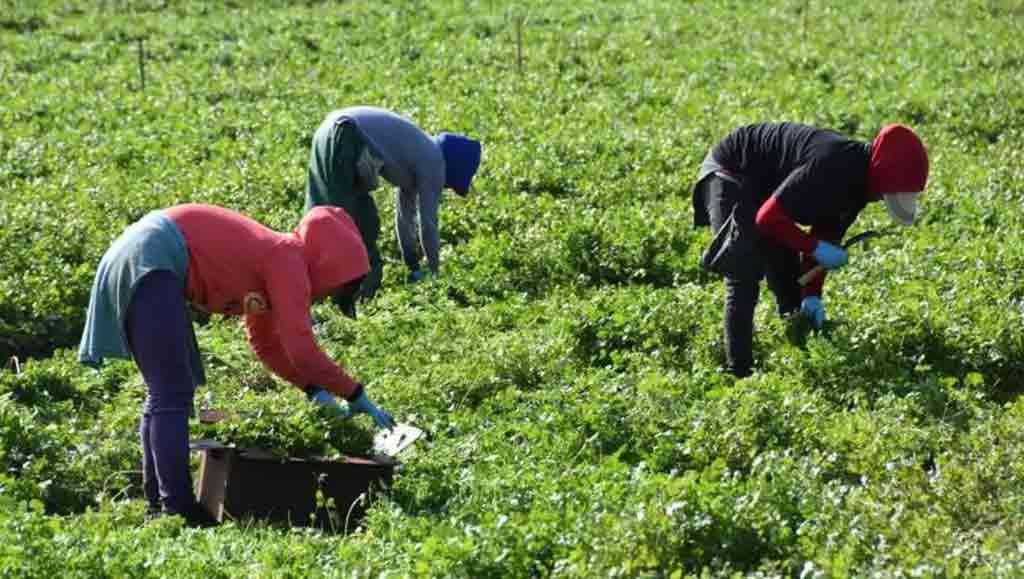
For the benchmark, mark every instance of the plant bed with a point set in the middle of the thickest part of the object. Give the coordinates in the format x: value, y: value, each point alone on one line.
x: 329, y: 493
x: 297, y: 430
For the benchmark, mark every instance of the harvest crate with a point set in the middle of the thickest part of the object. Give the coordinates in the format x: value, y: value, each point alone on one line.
x: 239, y: 483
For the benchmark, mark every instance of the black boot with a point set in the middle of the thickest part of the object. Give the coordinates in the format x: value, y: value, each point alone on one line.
x: 197, y: 517
x: 153, y: 511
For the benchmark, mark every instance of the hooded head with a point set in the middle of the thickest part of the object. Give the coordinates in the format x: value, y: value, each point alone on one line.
x: 334, y: 250
x: 898, y: 171
x: 461, y: 160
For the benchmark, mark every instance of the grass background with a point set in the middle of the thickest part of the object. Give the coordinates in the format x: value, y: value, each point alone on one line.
x: 566, y: 364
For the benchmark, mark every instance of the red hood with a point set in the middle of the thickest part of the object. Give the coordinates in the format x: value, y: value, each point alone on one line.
x: 334, y: 250
x: 899, y: 162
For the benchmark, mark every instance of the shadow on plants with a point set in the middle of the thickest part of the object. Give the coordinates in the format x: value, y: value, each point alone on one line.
x: 23, y: 26
x: 915, y: 359
x: 491, y: 377
x: 1000, y: 366
x: 429, y: 486
x: 598, y: 257
x: 555, y: 187
x: 40, y: 385
x: 611, y: 332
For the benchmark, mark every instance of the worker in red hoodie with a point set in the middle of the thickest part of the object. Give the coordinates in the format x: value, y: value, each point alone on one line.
x: 216, y: 260
x: 763, y: 180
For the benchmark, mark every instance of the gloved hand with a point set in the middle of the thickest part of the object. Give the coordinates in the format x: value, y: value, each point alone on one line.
x: 830, y: 256
x: 324, y: 398
x: 812, y: 309
x: 362, y: 404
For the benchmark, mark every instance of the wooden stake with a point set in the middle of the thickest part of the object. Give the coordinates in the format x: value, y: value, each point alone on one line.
x: 142, y: 64
x: 519, y: 44
x: 803, y: 26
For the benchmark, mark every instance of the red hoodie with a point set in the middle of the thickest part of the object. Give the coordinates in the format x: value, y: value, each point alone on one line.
x: 238, y: 266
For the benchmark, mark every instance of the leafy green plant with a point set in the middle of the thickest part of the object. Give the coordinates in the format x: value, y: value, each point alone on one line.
x: 302, y: 430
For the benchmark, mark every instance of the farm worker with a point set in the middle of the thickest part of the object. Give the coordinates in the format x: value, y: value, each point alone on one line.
x: 761, y: 180
x: 216, y: 260
x: 354, y: 146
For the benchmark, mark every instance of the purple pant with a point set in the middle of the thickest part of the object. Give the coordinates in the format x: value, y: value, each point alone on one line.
x: 159, y: 334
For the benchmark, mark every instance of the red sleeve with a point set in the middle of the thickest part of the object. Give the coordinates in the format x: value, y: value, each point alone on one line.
x: 266, y: 344
x: 282, y: 336
x: 773, y: 222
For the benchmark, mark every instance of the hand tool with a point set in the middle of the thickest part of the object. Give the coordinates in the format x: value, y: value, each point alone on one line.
x: 391, y: 442
x: 863, y: 236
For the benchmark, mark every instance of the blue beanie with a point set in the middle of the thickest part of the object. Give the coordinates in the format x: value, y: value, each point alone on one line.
x: 461, y: 160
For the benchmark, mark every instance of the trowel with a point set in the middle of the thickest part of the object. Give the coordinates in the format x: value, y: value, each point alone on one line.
x: 392, y: 442
x: 859, y: 238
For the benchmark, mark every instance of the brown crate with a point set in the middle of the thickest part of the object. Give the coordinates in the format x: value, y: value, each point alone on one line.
x: 236, y: 483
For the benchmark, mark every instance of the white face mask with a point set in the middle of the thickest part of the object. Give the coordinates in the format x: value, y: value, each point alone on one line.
x: 902, y: 207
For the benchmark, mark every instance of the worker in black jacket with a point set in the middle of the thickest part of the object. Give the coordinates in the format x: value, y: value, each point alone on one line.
x: 762, y: 181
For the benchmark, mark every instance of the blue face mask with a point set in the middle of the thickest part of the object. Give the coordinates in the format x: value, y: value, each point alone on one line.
x: 461, y: 160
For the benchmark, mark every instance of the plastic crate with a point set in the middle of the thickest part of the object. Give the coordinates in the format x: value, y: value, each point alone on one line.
x: 242, y: 483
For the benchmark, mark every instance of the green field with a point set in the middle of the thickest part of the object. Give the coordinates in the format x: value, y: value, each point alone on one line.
x: 566, y: 364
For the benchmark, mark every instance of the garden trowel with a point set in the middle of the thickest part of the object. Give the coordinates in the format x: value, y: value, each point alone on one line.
x: 391, y: 442
x: 860, y: 237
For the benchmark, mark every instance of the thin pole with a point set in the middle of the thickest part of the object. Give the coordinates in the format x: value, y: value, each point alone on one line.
x: 142, y: 64
x: 519, y: 44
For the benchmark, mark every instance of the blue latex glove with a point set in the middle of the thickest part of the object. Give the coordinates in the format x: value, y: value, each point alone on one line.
x: 326, y: 399
x: 363, y: 405
x: 830, y: 256
x: 812, y: 308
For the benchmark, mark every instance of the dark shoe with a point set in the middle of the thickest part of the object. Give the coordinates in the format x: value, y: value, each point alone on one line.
x: 798, y: 327
x: 197, y: 517
x: 153, y: 512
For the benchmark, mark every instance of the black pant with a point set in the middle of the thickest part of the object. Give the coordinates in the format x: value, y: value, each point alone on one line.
x: 764, y: 258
